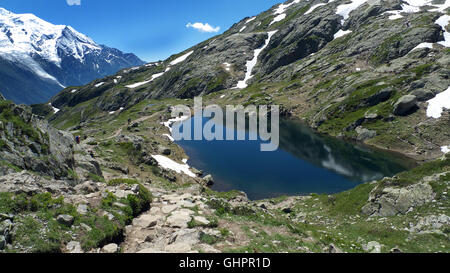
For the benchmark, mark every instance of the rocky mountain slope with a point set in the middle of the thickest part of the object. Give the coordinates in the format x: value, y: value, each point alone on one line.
x: 372, y: 71
x: 371, y: 65
x: 38, y: 59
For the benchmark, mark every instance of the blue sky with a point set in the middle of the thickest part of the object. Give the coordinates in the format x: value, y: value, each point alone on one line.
x: 151, y: 29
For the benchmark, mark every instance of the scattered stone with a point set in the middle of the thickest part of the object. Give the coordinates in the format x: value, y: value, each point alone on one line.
x: 136, y: 188
x: 334, y: 249
x: 396, y: 250
x: 82, y: 209
x: 74, y: 247
x: 201, y: 220
x: 86, y: 227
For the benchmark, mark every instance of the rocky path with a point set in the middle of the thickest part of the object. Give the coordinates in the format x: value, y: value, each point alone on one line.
x: 165, y: 227
x: 141, y: 119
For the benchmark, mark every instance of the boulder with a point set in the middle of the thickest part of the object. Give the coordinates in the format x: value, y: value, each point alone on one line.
x: 391, y: 201
x: 201, y: 220
x: 180, y: 218
x: 65, y: 219
x: 372, y: 247
x: 164, y: 150
x: 423, y: 94
x: 82, y: 209
x: 364, y: 134
x: 74, y: 247
x: 405, y: 105
x: 208, y: 180
x: 110, y: 249
x: 334, y: 249
x: 87, y: 187
x: 87, y: 164
x: 6, y: 227
x: 2, y: 242
x: 380, y: 97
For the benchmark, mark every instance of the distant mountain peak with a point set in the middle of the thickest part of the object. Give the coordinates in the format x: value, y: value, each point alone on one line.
x: 57, y: 54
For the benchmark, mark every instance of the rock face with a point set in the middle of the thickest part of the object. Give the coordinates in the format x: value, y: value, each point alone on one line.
x: 30, y: 184
x: 31, y: 144
x: 405, y: 105
x: 392, y: 201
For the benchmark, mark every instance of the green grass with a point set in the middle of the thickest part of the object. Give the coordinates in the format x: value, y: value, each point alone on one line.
x: 39, y: 232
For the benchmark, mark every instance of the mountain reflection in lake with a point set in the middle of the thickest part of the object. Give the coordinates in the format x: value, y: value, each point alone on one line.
x: 305, y: 163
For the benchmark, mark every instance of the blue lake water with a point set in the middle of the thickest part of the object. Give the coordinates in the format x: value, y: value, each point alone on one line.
x: 305, y: 163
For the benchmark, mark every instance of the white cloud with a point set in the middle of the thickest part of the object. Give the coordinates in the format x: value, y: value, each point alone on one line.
x: 203, y: 27
x: 73, y: 2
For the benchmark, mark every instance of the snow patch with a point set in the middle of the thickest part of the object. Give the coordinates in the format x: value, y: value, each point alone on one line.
x: 282, y: 7
x: 414, y: 6
x: 445, y: 149
x: 395, y: 14
x: 314, y: 7
x: 243, y: 28
x: 437, y: 105
x: 423, y: 45
x: 341, y: 33
x: 73, y: 91
x: 169, y: 137
x: 99, y: 84
x: 138, y: 84
x: 278, y: 18
x: 252, y: 63
x: 443, y: 21
x: 346, y: 9
x: 249, y: 20
x: 280, y: 11
x: 227, y: 66
x: 172, y: 121
x: 168, y: 163
x: 182, y: 58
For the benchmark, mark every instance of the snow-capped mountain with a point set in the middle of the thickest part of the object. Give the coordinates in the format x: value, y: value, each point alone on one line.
x: 37, y: 58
